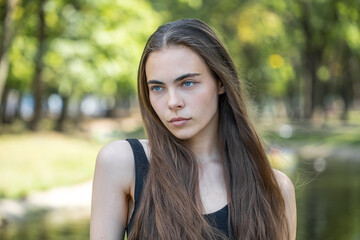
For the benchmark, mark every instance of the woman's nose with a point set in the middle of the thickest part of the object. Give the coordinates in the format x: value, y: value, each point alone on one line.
x: 175, y: 102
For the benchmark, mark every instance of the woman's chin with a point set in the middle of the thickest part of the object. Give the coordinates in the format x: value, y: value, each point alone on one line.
x: 182, y: 135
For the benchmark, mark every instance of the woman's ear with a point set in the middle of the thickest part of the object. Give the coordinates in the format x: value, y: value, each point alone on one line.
x: 221, y: 89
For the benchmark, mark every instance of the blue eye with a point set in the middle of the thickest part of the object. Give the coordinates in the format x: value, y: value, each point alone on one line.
x: 188, y: 84
x: 156, y: 88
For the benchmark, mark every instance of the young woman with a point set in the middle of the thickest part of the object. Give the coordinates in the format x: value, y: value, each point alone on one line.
x: 203, y: 172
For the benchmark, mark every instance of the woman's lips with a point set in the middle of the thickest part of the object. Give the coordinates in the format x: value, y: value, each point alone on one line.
x: 178, y: 121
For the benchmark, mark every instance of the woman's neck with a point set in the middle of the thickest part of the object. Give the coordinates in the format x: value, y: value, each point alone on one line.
x: 205, y: 148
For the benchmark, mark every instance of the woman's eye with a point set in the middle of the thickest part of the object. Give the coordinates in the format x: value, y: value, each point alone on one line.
x: 188, y: 84
x: 156, y: 88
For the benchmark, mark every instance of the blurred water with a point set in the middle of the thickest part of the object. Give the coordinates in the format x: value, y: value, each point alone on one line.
x: 328, y: 202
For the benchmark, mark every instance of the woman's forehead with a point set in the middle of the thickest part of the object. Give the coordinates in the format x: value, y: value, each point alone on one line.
x: 172, y: 62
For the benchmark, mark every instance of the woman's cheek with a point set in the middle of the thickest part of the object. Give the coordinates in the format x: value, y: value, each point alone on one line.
x: 156, y: 105
x: 205, y: 99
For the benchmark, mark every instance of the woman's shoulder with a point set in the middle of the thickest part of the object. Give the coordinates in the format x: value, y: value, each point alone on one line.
x: 113, y: 184
x: 288, y: 192
x: 284, y: 181
x: 115, y: 153
x: 286, y: 185
x: 119, y: 153
x: 116, y: 159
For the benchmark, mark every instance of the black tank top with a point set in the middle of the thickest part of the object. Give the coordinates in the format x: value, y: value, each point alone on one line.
x: 218, y: 219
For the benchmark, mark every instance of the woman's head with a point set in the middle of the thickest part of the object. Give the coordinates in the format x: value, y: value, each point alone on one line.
x: 183, y: 93
x: 194, y: 35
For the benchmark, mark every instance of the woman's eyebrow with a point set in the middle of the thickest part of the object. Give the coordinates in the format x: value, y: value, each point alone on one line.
x: 154, y: 82
x: 186, y: 75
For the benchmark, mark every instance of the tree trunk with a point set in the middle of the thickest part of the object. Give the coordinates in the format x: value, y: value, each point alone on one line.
x: 308, y: 87
x: 346, y: 89
x: 3, y: 104
x: 37, y: 81
x: 7, y: 34
x: 291, y: 101
x: 60, y: 121
x: 355, y: 71
x: 312, y: 59
x: 19, y: 106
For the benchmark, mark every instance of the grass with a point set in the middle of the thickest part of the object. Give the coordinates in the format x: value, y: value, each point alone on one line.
x: 38, y: 161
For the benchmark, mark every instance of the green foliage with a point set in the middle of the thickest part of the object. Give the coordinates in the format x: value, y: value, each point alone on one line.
x: 273, y: 41
x: 23, y: 51
x: 92, y: 46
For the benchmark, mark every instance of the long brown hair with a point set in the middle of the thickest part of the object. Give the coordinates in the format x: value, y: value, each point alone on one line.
x: 170, y: 207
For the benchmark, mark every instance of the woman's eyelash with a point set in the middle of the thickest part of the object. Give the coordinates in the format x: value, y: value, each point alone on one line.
x: 185, y: 84
x: 156, y: 88
x: 188, y: 83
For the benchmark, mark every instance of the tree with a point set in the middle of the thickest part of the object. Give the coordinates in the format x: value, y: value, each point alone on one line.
x: 6, y: 38
x: 98, y: 50
x: 39, y: 66
x: 90, y: 47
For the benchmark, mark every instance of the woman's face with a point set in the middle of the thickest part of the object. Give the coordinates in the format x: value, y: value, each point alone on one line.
x: 183, y: 92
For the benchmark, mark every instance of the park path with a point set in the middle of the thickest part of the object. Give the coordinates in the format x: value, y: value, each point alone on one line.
x: 76, y: 198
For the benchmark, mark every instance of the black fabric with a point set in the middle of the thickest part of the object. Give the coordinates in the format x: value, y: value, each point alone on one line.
x: 141, y: 169
x: 218, y: 219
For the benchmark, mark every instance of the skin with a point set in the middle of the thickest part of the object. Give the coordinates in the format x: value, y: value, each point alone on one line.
x: 180, y: 85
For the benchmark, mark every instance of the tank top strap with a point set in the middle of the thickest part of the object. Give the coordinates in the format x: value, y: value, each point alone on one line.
x: 141, y: 167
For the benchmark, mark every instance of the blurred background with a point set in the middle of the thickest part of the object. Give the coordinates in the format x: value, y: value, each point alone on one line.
x: 68, y: 86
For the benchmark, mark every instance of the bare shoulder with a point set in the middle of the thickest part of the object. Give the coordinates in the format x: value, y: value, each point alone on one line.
x: 116, y: 160
x: 114, y: 152
x: 113, y: 182
x: 284, y: 182
x: 288, y: 192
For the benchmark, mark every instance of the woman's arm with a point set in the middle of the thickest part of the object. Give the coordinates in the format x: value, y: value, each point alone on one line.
x: 288, y: 192
x: 113, y: 180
